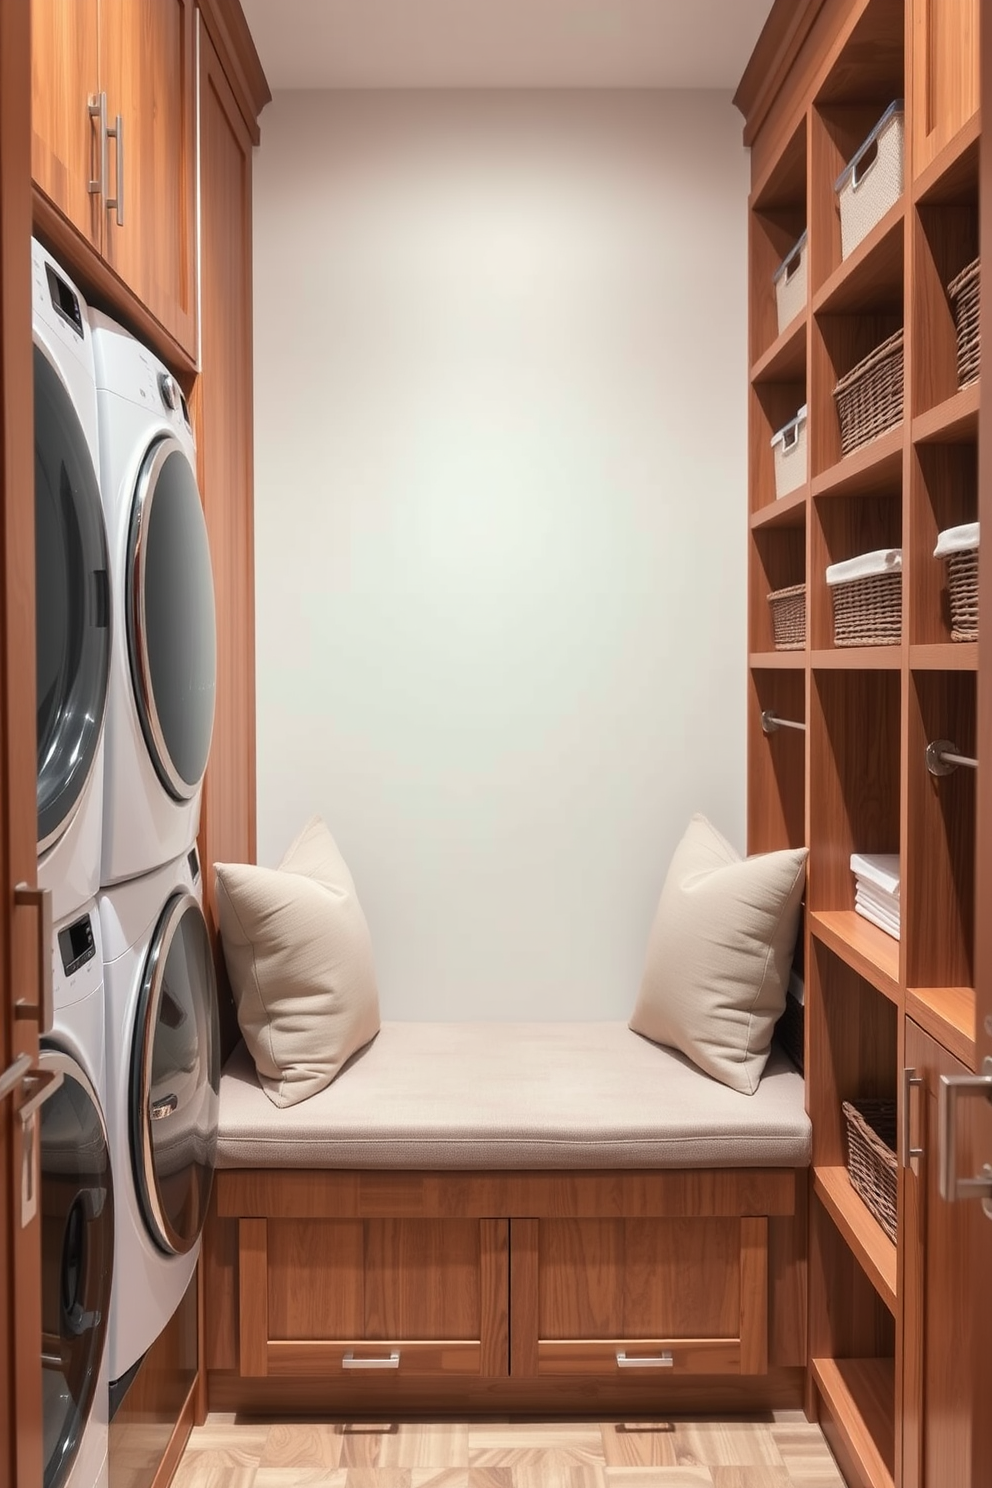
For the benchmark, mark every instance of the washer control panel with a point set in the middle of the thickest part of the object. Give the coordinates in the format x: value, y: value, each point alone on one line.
x: 77, y: 945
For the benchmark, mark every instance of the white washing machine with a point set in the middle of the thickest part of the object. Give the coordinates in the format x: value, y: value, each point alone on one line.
x: 163, y: 1079
x: 72, y: 604
x: 76, y: 1202
x: 163, y: 670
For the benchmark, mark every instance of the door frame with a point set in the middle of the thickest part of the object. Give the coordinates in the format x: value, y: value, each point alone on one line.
x: 21, y: 1448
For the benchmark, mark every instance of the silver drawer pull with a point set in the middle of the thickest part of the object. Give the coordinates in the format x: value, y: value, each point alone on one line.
x: 391, y: 1361
x: 656, y: 1361
x: 164, y: 1107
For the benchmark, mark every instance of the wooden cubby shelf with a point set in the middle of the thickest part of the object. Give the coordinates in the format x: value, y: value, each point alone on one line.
x: 865, y: 658
x: 954, y: 168
x: 790, y: 511
x: 868, y: 470
x: 778, y: 661
x: 866, y: 949
x: 875, y: 1252
x: 785, y: 359
x: 948, y: 1015
x: 954, y: 421
x: 871, y: 278
x: 961, y: 656
x: 859, y: 1395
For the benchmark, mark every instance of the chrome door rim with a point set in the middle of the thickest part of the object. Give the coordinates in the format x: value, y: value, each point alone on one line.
x: 137, y: 620
x: 149, y: 1002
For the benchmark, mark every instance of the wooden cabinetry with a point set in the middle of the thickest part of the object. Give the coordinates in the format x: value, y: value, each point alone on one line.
x: 127, y: 67
x: 892, y: 1394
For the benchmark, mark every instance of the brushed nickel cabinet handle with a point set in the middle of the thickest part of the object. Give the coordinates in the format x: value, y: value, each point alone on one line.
x: 953, y: 1188
x: 910, y: 1081
x: 97, y: 185
x: 390, y: 1361
x: 116, y: 203
x: 663, y: 1360
x: 43, y: 1010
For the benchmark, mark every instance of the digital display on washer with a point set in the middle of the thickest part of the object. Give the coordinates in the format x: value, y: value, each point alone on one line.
x: 76, y: 945
x: 64, y: 302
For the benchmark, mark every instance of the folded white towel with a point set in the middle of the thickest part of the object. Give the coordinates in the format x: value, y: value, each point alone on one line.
x: 884, y: 560
x: 880, y: 869
x: 957, y: 540
x: 886, y: 904
x: 869, y: 914
x: 886, y: 919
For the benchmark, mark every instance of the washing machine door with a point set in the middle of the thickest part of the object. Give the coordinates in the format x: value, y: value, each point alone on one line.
x: 76, y: 1200
x: 175, y: 1078
x: 171, y: 630
x: 72, y: 607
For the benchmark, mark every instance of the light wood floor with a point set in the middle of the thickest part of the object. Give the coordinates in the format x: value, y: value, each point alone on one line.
x: 229, y: 1453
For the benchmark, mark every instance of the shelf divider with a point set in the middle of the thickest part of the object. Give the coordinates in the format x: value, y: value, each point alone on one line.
x: 875, y: 1252
x: 955, y: 421
x: 875, y: 466
x: 866, y: 949
x: 777, y: 661
x: 785, y: 359
x: 788, y: 511
x: 860, y: 1394
x: 950, y: 656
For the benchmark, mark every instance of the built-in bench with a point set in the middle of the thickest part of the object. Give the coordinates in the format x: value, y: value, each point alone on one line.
x: 500, y: 1216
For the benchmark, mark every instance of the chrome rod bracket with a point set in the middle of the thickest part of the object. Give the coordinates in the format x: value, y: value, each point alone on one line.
x: 943, y: 757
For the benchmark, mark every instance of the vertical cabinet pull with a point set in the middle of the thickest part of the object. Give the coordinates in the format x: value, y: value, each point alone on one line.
x: 953, y: 1088
x: 116, y: 203
x: 43, y: 1010
x: 98, y: 110
x: 910, y: 1081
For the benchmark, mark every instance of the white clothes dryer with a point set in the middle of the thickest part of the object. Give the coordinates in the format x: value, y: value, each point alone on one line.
x: 76, y: 1203
x: 163, y: 1081
x: 72, y: 596
x: 163, y: 672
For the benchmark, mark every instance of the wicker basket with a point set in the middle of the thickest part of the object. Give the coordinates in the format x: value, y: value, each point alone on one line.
x: 791, y: 282
x: 868, y: 611
x: 872, y: 182
x: 964, y: 293
x: 958, y: 548
x: 870, y: 397
x: 789, y: 618
x: 871, y: 1158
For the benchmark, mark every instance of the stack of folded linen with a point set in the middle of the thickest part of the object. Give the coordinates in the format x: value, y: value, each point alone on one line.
x: 876, y: 889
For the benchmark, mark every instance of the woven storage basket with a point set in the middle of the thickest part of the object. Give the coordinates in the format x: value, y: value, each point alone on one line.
x: 868, y: 612
x: 791, y: 283
x: 964, y: 293
x: 789, y: 1030
x: 870, y: 397
x: 872, y: 182
x: 871, y: 1158
x: 789, y: 618
x: 962, y: 587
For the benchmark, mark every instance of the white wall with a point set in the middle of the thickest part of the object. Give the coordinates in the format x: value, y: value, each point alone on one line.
x: 500, y: 535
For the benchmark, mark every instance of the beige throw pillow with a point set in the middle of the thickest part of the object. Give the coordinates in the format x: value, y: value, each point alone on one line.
x: 299, y: 956
x: 719, y: 955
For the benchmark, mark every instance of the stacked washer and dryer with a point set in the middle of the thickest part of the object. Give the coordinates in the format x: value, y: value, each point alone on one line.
x: 126, y: 677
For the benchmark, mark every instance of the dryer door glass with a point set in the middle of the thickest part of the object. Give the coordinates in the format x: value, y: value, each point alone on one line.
x: 77, y: 1254
x: 175, y: 1078
x: 172, y: 639
x: 72, y: 610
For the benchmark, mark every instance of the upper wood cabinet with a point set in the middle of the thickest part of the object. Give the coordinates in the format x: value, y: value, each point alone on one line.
x: 943, y: 72
x: 127, y: 66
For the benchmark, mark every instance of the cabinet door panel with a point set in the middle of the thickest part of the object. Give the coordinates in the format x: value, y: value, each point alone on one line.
x: 945, y: 1248
x: 944, y: 74
x: 147, y: 69
x: 65, y: 73
x: 315, y: 1279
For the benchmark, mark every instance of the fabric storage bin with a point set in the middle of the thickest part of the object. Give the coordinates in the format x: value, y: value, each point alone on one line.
x: 964, y: 293
x: 869, y: 398
x: 867, y: 597
x: 789, y: 618
x: 958, y: 547
x: 791, y: 281
x: 871, y: 1157
x: 789, y: 446
x: 873, y: 180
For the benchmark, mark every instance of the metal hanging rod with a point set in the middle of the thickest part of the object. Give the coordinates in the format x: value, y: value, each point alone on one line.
x: 771, y: 723
x: 943, y: 758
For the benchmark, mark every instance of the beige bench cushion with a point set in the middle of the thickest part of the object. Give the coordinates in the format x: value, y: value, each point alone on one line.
x: 524, y: 1095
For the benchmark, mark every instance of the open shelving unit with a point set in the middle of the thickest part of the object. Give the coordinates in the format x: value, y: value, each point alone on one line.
x: 858, y: 780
